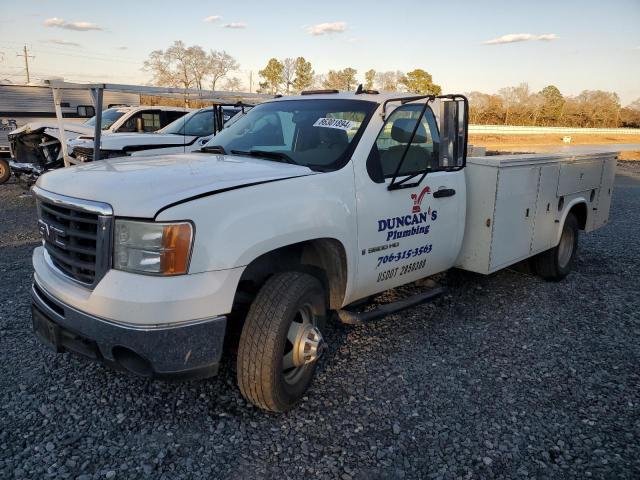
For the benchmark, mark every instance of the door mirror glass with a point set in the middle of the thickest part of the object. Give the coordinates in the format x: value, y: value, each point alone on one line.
x: 453, y: 132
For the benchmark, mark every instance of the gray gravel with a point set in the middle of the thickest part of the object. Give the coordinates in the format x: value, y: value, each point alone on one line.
x: 506, y: 377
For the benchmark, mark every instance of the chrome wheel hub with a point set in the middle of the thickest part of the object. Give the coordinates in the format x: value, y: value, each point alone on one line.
x: 307, y: 347
x: 304, y: 345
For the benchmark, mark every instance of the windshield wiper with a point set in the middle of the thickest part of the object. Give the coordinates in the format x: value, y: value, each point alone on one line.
x: 277, y: 156
x: 213, y: 149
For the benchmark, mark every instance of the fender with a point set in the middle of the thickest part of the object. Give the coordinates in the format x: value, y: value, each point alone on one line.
x: 236, y: 226
x: 565, y: 211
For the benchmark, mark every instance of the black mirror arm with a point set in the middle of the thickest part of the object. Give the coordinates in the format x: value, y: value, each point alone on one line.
x: 395, y: 185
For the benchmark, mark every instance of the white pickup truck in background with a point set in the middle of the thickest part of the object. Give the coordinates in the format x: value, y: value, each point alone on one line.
x: 306, y: 205
x: 184, y: 135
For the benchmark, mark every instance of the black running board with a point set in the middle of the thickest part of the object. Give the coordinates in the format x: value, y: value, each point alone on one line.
x: 358, y: 318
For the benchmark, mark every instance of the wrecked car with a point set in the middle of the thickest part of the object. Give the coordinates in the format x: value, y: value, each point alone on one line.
x: 35, y: 147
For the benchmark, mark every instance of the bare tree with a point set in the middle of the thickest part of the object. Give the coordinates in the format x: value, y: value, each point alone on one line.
x: 388, y: 81
x: 200, y: 64
x: 171, y: 67
x: 288, y: 72
x: 221, y: 64
x: 233, y: 84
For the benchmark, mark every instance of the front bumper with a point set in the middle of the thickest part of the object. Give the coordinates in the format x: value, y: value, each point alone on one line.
x: 185, y: 351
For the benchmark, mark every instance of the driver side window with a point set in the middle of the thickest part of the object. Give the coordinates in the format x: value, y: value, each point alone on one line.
x: 397, y: 137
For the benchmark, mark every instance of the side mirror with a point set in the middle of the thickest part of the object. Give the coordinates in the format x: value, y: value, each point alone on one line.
x: 139, y: 125
x: 85, y: 111
x: 453, y: 131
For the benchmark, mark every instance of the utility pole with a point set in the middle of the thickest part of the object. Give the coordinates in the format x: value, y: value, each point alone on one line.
x: 26, y: 61
x: 250, y: 81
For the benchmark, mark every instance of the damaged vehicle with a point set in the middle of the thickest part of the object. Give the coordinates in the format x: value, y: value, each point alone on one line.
x: 21, y: 105
x: 185, y: 135
x: 35, y: 147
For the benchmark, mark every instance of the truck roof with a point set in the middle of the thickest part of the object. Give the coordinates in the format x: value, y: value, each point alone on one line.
x: 370, y: 97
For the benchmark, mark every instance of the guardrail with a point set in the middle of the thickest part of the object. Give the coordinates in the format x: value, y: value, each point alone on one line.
x: 524, y: 130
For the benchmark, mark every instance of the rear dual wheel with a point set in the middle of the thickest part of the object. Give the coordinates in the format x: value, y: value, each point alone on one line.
x: 281, y: 341
x: 556, y: 263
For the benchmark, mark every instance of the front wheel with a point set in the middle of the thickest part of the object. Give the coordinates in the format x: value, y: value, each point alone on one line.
x: 556, y: 263
x: 5, y: 171
x: 281, y: 341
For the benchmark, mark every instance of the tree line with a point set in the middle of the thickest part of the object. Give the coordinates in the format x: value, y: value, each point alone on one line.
x: 520, y: 105
x: 193, y: 67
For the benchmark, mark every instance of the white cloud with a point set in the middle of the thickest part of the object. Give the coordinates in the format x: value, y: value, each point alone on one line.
x: 211, y: 18
x: 81, y: 26
x: 78, y: 26
x: 327, y: 28
x: 122, y: 48
x: 64, y: 43
x: 235, y: 25
x: 54, y: 22
x: 520, y: 37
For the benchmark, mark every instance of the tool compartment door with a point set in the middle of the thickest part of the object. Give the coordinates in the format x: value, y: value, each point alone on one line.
x: 514, y: 215
x: 603, y: 202
x: 546, y: 208
x: 579, y: 176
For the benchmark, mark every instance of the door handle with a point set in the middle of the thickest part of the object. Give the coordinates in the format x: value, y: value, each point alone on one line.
x: 444, y: 192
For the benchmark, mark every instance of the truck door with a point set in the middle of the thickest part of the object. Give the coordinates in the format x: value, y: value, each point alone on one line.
x: 410, y: 202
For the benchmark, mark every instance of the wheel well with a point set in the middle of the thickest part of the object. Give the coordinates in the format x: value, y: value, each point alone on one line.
x: 324, y: 258
x: 580, y: 212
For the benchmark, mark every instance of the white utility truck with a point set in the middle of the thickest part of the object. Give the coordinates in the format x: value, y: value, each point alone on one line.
x: 304, y: 206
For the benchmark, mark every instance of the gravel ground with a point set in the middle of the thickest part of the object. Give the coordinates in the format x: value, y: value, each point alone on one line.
x: 506, y: 377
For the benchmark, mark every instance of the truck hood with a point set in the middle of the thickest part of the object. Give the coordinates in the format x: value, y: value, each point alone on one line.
x: 51, y: 128
x: 142, y: 187
x: 119, y: 141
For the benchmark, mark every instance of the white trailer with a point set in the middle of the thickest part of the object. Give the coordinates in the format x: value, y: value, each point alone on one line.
x: 306, y: 205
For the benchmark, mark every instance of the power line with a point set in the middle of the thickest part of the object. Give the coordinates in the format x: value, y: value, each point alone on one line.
x: 26, y: 61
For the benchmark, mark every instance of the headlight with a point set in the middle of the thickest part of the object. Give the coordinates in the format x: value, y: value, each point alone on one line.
x: 152, y: 248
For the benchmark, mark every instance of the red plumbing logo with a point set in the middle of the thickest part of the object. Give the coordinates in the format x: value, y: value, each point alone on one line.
x: 417, y: 199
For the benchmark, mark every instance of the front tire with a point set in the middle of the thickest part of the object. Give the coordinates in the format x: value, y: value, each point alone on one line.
x: 556, y: 263
x: 5, y: 171
x: 281, y: 341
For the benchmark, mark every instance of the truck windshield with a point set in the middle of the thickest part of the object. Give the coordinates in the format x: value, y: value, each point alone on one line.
x: 317, y: 133
x: 198, y: 123
x: 109, y: 117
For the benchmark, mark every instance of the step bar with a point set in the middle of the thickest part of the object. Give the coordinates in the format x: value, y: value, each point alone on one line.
x: 352, y: 317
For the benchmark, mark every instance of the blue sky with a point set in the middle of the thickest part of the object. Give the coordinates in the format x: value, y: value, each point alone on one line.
x: 584, y: 45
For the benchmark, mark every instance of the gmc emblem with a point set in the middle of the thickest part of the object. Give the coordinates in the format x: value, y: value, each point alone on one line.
x: 52, y: 234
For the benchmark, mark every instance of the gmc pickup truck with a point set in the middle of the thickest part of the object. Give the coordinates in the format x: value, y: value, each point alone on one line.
x: 306, y: 206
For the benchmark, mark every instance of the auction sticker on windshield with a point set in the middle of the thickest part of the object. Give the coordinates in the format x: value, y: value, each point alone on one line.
x: 335, y: 123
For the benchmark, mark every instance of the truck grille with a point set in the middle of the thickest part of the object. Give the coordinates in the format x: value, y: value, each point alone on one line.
x: 77, y: 241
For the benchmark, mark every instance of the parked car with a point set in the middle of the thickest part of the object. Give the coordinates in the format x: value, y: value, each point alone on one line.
x: 306, y: 205
x: 186, y: 134
x: 35, y: 147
